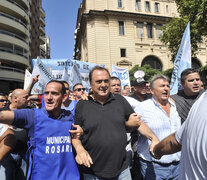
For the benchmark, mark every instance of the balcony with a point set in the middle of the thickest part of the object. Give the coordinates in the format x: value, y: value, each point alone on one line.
x: 42, y: 20
x: 14, y: 39
x: 42, y: 29
x: 15, y: 56
x: 42, y: 12
x: 11, y: 74
x: 13, y: 24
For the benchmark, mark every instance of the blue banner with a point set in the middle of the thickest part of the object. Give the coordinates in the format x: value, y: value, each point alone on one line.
x: 77, y: 71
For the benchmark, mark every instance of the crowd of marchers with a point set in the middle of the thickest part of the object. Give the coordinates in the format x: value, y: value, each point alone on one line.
x: 110, y: 133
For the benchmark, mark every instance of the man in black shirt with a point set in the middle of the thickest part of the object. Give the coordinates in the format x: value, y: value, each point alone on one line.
x: 104, y: 119
x: 184, y: 99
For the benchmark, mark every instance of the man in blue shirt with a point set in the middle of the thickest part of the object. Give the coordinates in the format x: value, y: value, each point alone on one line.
x: 49, y: 142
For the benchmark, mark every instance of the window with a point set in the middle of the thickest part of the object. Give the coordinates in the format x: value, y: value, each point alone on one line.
x: 140, y: 30
x: 149, y: 31
x: 138, y: 5
x: 121, y: 27
x: 153, y: 61
x: 157, y: 7
x: 158, y: 30
x: 123, y: 52
x: 147, y: 6
x: 167, y: 9
x: 120, y: 4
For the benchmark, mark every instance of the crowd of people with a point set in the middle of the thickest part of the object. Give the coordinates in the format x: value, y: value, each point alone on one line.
x: 110, y: 133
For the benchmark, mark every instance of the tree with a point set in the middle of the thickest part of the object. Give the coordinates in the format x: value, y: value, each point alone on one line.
x: 194, y: 11
x: 149, y: 72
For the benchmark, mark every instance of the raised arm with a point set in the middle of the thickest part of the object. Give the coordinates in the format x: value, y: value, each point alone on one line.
x: 6, y: 117
x: 169, y: 145
x: 7, y: 142
x: 32, y: 83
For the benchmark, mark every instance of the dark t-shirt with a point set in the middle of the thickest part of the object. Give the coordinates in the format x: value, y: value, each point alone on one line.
x: 184, y: 103
x: 104, y: 134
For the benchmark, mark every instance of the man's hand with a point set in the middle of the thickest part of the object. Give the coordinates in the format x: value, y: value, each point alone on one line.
x: 77, y: 133
x: 155, y: 141
x: 134, y: 121
x: 84, y: 97
x: 83, y: 158
x: 35, y: 79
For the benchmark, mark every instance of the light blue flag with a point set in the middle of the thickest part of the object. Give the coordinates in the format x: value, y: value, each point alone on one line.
x: 182, y: 61
x: 75, y: 76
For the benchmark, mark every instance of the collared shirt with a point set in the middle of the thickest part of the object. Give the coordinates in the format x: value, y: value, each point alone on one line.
x: 104, y: 133
x: 161, y: 124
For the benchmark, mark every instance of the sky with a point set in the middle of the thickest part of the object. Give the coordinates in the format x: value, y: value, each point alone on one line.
x: 60, y: 22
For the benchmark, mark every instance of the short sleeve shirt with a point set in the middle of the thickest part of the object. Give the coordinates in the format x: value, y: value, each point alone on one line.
x: 104, y: 133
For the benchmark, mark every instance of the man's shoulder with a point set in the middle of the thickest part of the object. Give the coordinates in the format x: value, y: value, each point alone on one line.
x: 180, y: 94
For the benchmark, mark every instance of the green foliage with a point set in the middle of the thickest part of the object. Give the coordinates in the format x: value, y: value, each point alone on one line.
x: 194, y: 11
x: 203, y: 68
x: 149, y: 72
x: 168, y: 73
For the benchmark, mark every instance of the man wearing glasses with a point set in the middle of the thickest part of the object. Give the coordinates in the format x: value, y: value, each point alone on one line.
x: 78, y: 91
x: 3, y: 100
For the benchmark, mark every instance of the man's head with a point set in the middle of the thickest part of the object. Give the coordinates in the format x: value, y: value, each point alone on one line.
x: 55, y: 94
x: 78, y: 91
x: 140, y: 88
x: 191, y: 82
x: 125, y: 92
x: 126, y: 87
x: 160, y: 88
x: 67, y: 89
x: 99, y: 78
x: 115, y: 85
x: 3, y: 100
x: 148, y: 87
x: 19, y: 99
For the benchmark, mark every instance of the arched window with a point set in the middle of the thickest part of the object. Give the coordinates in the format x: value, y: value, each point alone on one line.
x: 196, y: 63
x: 153, y: 62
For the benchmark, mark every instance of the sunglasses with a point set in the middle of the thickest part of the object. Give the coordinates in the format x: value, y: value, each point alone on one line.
x: 2, y: 100
x: 79, y: 89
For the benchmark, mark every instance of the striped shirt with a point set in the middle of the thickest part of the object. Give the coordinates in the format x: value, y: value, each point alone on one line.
x: 161, y: 124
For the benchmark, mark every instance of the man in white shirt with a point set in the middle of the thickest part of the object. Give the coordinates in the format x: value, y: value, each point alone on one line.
x: 160, y: 114
x: 192, y: 136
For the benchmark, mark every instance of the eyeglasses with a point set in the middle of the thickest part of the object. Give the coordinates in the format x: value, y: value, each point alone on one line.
x: 79, y: 89
x: 2, y: 100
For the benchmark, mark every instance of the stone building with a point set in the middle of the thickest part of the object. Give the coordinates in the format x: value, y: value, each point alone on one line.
x: 126, y: 33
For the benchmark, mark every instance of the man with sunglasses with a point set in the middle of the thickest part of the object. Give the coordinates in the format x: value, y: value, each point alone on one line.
x: 78, y: 91
x: 3, y: 100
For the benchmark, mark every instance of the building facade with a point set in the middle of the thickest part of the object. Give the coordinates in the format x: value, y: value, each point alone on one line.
x: 126, y: 33
x: 21, y: 34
